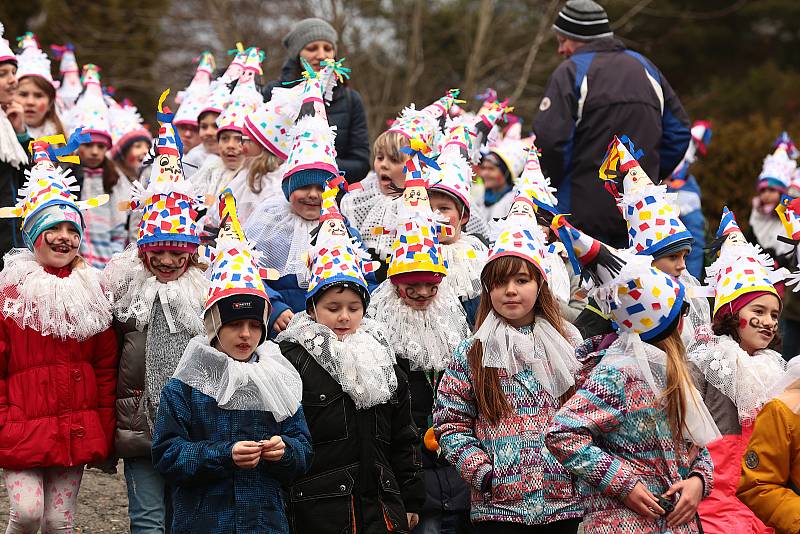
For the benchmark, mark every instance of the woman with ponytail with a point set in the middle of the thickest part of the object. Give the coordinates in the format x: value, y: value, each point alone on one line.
x: 500, y: 392
x: 636, y: 429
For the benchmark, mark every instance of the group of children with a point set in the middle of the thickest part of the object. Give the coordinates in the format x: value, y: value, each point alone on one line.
x: 271, y: 349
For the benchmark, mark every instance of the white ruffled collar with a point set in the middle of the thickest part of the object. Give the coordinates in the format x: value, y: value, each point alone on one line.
x: 362, y: 363
x: 269, y: 385
x: 426, y: 338
x: 73, y: 307
x: 542, y: 350
x: 134, y: 288
x: 465, y: 260
x: 11, y: 150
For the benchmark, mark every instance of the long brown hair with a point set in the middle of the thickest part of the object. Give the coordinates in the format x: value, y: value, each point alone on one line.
x: 260, y: 166
x: 491, y: 401
x: 47, y: 88
x: 678, y: 378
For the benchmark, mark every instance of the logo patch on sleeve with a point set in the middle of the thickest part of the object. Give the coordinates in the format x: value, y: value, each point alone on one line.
x: 545, y: 105
x: 751, y: 459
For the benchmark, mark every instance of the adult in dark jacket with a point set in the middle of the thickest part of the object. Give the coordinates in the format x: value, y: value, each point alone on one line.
x: 315, y: 40
x: 14, y: 158
x: 603, y: 89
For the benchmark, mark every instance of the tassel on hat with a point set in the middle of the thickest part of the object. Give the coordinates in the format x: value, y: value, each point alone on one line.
x: 779, y: 167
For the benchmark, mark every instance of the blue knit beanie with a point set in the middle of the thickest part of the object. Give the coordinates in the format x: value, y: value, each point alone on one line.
x: 304, y: 178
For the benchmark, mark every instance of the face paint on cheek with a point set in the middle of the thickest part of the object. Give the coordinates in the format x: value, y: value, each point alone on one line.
x: 742, y: 324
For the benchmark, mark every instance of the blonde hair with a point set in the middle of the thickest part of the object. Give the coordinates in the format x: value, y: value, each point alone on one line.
x: 678, y: 380
x: 260, y: 166
x: 390, y: 145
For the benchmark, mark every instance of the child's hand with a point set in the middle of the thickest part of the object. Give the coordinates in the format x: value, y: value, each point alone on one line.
x: 273, y: 449
x: 641, y: 501
x: 282, y: 321
x: 691, y: 493
x: 246, y: 454
x: 16, y: 116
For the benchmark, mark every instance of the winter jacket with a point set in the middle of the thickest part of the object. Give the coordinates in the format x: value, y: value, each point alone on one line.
x: 56, y: 397
x: 346, y: 112
x: 11, y: 181
x: 445, y: 490
x: 512, y: 477
x: 592, y: 322
x: 771, y: 471
x: 611, y: 435
x: 721, y: 512
x: 192, y: 446
x: 604, y: 90
x: 365, y: 475
x: 689, y: 196
x: 132, y: 436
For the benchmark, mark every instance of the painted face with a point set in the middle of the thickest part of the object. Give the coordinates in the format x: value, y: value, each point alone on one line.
x: 735, y: 239
x: 231, y: 149
x: 35, y: 102
x: 92, y: 154
x: 522, y: 208
x: 306, y: 201
x: 8, y: 83
x: 239, y: 339
x: 169, y: 168
x: 189, y: 136
x: 334, y: 227
x: 636, y: 180
x: 57, y: 246
x: 389, y: 171
x: 340, y: 309
x: 207, y: 124
x: 673, y: 264
x: 452, y: 210
x: 252, y: 148
x: 316, y: 52
x: 418, y: 296
x: 515, y: 298
x: 416, y: 197
x: 758, y: 323
x: 136, y: 153
x: 166, y: 265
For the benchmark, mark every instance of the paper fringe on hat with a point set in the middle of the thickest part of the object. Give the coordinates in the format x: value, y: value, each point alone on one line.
x: 47, y: 184
x: 32, y: 61
x: 741, y: 266
x: 535, y: 185
x: 485, y: 125
x: 454, y: 175
x: 779, y: 167
x: 425, y: 124
x: 789, y: 213
x: 234, y: 261
x: 638, y: 297
x: 519, y: 234
x: 245, y: 97
x: 90, y: 111
x: 126, y: 122
x: 220, y: 89
x: 6, y: 54
x: 651, y: 213
x: 192, y: 99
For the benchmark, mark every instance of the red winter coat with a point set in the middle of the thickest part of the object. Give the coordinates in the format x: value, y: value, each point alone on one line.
x: 56, y: 397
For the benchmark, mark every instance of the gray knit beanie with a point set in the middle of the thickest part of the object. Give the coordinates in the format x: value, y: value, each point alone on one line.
x: 583, y: 20
x: 307, y: 31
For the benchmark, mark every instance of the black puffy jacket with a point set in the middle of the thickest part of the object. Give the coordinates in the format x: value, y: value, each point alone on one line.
x: 365, y: 475
x: 346, y: 112
x: 11, y: 180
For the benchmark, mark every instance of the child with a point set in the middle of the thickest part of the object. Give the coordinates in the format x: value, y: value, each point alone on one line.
x: 774, y: 180
x: 689, y: 195
x: 654, y: 230
x: 769, y: 470
x: 70, y: 87
x: 281, y: 226
x: 13, y: 157
x: 424, y: 322
x: 158, y: 290
x: 499, y: 169
x: 738, y: 363
x: 37, y: 92
x: 105, y: 232
x: 131, y: 140
x: 192, y: 100
x: 242, y: 101
x: 58, y: 353
x: 503, y: 387
x: 356, y: 399
x: 636, y: 429
x: 230, y: 430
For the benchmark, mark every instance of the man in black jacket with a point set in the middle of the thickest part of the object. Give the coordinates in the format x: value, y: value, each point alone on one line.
x: 603, y: 89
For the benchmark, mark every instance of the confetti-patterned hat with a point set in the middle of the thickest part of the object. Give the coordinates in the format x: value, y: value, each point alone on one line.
x: 454, y: 175
x: 270, y: 124
x: 245, y: 97
x: 71, y: 85
x: 519, y: 234
x: 90, y: 111
x: 741, y: 267
x: 126, y: 125
x: 484, y: 126
x: 194, y: 97
x: 6, y: 54
x: 426, y: 124
x: 638, y: 297
x: 313, y: 145
x: 534, y: 184
x: 652, y: 214
x: 49, y: 185
x: 169, y: 204
x: 32, y: 61
x: 234, y: 261
x: 220, y: 90
x: 513, y: 150
x: 779, y: 167
x: 789, y: 213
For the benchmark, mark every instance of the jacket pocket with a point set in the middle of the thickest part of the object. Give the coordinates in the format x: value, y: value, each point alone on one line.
x: 326, y: 415
x: 383, y: 422
x: 394, y: 512
x: 323, y: 504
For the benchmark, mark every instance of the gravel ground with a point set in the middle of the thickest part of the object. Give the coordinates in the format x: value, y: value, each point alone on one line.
x: 102, y: 503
